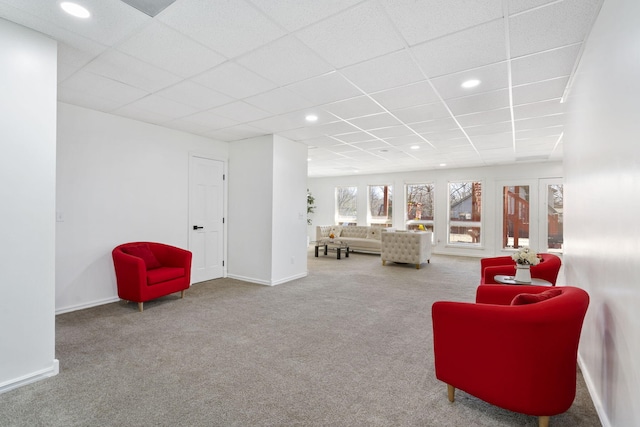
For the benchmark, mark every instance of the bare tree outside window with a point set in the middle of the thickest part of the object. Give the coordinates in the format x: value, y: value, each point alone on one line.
x: 380, y: 204
x: 420, y: 206
x: 555, y: 217
x: 346, y: 205
x: 465, y: 212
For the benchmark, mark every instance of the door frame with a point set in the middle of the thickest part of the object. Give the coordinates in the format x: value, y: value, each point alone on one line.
x: 225, y: 161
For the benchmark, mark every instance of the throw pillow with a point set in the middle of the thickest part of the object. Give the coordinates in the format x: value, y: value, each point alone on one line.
x: 523, y: 299
x: 143, y: 251
x: 336, y: 231
x: 373, y: 233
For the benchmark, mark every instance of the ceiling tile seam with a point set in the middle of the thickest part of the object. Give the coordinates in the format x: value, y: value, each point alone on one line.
x: 557, y: 144
x: 447, y: 34
x: 532, y: 9
x: 507, y: 42
x: 528, y: 55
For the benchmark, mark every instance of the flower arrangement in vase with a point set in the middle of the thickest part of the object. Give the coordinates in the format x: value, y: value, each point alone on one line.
x: 524, y: 259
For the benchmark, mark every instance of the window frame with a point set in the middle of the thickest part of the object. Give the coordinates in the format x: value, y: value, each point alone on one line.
x: 453, y: 223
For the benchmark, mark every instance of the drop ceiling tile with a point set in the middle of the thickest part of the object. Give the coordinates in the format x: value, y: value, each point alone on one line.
x: 540, y: 122
x: 285, y: 61
x: 240, y: 111
x: 170, y: 50
x: 65, y: 71
x: 110, y: 22
x: 86, y: 100
x: 163, y: 106
x: 554, y: 131
x: 294, y: 14
x: 497, y: 140
x: 384, y: 72
x: 133, y: 112
x: 544, y: 65
x: 440, y: 136
x: 555, y: 25
x: 354, y: 137
x: 407, y: 96
x: 76, y: 57
x: 186, y: 126
x: 234, y: 80
x: 235, y: 133
x: 354, y: 107
x: 392, y: 132
x: 320, y: 141
x: 279, y: 101
x: 335, y: 128
x: 410, y: 139
x: 342, y: 148
x: 421, y: 21
x: 374, y: 121
x: 195, y: 95
x: 129, y: 70
x: 471, y: 48
x: 357, y: 34
x: 433, y: 126
x: 210, y: 120
x: 303, y: 133
x: 541, y: 91
x: 485, y: 117
x: 324, y: 89
x: 518, y: 6
x: 492, y: 77
x: 502, y: 127
x: 226, y: 26
x: 281, y: 122
x: 94, y: 85
x: 538, y: 109
x: 371, y: 145
x: 422, y: 113
x: 480, y: 102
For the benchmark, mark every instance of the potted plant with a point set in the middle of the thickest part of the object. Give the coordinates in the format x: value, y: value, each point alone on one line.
x: 310, y: 205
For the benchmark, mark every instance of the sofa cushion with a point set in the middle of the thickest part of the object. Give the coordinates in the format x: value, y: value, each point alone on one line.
x: 164, y: 274
x: 523, y: 299
x: 335, y: 230
x: 142, y: 250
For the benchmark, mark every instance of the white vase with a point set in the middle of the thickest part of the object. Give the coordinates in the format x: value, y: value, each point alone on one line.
x: 523, y: 273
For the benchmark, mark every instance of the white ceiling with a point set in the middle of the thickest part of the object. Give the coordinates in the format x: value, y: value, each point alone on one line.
x: 383, y: 76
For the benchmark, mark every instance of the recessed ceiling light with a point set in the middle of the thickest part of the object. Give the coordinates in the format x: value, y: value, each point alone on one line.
x: 415, y: 147
x: 75, y: 9
x: 470, y: 83
x: 308, y: 160
x: 384, y: 150
x: 443, y: 164
x: 311, y: 118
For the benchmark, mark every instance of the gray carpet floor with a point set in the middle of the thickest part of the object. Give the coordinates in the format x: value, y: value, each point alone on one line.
x: 349, y: 345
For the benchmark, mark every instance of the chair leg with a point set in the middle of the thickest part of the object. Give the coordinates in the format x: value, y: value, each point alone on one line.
x: 451, y: 392
x: 140, y: 306
x: 384, y: 262
x: 543, y: 421
x: 417, y: 266
x: 182, y: 293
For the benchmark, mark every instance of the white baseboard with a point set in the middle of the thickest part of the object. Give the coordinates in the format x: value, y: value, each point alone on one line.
x: 595, y: 397
x: 86, y: 305
x: 31, y: 378
x: 267, y: 282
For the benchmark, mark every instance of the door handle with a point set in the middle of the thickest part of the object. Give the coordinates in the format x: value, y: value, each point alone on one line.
x: 197, y: 227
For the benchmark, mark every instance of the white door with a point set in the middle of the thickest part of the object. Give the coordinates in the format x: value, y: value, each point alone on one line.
x: 206, y: 226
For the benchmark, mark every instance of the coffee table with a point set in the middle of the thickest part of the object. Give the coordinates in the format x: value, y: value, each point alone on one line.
x: 336, y: 245
x: 510, y: 280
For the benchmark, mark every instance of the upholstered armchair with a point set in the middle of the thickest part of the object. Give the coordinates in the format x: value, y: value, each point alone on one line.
x: 405, y: 247
x: 515, y: 348
x: 148, y: 270
x: 547, y: 269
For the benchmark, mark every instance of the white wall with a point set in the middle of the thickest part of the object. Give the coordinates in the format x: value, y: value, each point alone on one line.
x: 27, y: 205
x: 289, y: 241
x: 267, y: 210
x: 602, y: 164
x: 492, y: 178
x: 119, y: 180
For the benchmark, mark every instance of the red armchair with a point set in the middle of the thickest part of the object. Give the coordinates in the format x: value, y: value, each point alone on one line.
x: 147, y: 270
x: 547, y: 269
x: 519, y: 357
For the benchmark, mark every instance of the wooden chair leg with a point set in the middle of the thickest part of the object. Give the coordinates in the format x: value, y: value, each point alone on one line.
x: 182, y: 293
x: 384, y: 262
x: 417, y: 266
x: 451, y: 392
x: 543, y: 421
x: 140, y: 306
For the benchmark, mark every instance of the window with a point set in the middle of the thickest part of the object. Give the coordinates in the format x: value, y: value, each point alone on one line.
x: 555, y: 203
x: 420, y: 206
x: 515, y: 216
x: 380, y: 206
x: 465, y: 213
x: 346, y: 205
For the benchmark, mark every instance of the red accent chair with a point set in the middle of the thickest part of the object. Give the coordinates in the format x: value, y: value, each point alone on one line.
x: 547, y: 269
x: 148, y: 270
x: 522, y: 358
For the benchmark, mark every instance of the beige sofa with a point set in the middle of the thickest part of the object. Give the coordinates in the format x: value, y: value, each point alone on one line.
x: 360, y: 238
x: 411, y: 247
